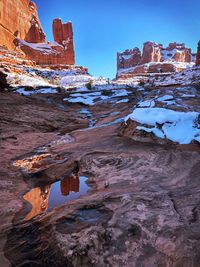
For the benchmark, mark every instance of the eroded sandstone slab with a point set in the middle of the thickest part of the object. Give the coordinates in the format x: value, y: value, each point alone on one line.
x: 143, y: 206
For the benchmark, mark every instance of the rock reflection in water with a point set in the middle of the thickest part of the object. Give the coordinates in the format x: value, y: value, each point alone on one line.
x: 38, y: 198
x: 46, y: 198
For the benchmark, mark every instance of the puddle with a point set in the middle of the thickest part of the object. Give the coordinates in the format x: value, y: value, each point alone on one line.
x: 89, y: 215
x: 82, y: 219
x: 46, y: 198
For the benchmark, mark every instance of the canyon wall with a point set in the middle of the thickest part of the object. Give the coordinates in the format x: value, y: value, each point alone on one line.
x: 154, y: 59
x: 19, y: 19
x: 60, y: 52
x: 20, y: 29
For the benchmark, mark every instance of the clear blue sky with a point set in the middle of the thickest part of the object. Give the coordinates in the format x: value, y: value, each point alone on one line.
x: 101, y: 28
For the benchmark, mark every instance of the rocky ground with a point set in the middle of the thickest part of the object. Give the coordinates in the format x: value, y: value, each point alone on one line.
x: 142, y: 206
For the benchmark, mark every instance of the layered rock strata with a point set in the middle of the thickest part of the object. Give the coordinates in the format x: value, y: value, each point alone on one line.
x: 20, y: 27
x: 154, y: 59
x: 19, y: 19
x: 59, y: 52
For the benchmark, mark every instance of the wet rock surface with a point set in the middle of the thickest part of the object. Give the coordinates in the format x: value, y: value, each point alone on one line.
x: 142, y: 208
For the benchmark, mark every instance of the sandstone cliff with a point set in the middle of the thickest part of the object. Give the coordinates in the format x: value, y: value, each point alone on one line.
x: 61, y: 52
x: 19, y: 18
x: 154, y: 59
x: 20, y: 27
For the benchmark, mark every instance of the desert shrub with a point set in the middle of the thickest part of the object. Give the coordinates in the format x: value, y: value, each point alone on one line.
x: 141, y: 83
x: 89, y: 85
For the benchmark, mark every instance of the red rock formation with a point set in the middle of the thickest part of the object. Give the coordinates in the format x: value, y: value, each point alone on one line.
x: 128, y: 58
x: 68, y: 184
x: 10, y: 61
x: 19, y: 18
x: 20, y: 26
x: 155, y: 59
x: 63, y: 34
x: 60, y: 52
x: 151, y: 53
x: 198, y: 54
x: 178, y: 52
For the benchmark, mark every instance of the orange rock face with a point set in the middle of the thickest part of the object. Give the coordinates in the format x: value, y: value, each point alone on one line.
x: 198, y: 54
x: 20, y: 27
x: 154, y: 59
x: 59, y: 52
x: 38, y: 198
x: 151, y: 53
x: 63, y: 34
x: 19, y: 18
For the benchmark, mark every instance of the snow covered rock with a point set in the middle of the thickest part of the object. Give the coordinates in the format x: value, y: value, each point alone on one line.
x: 59, y: 52
x: 162, y: 126
x: 188, y: 76
x: 154, y: 59
x: 128, y: 58
x: 16, y: 80
x: 75, y: 80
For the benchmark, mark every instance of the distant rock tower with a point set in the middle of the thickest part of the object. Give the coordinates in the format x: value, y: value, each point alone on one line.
x: 198, y: 54
x: 63, y: 34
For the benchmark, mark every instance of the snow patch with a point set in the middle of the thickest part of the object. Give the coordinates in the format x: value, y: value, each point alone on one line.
x: 46, y: 49
x: 165, y: 98
x: 180, y: 127
x: 25, y: 80
x: 86, y: 99
x: 23, y: 91
x: 147, y: 103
